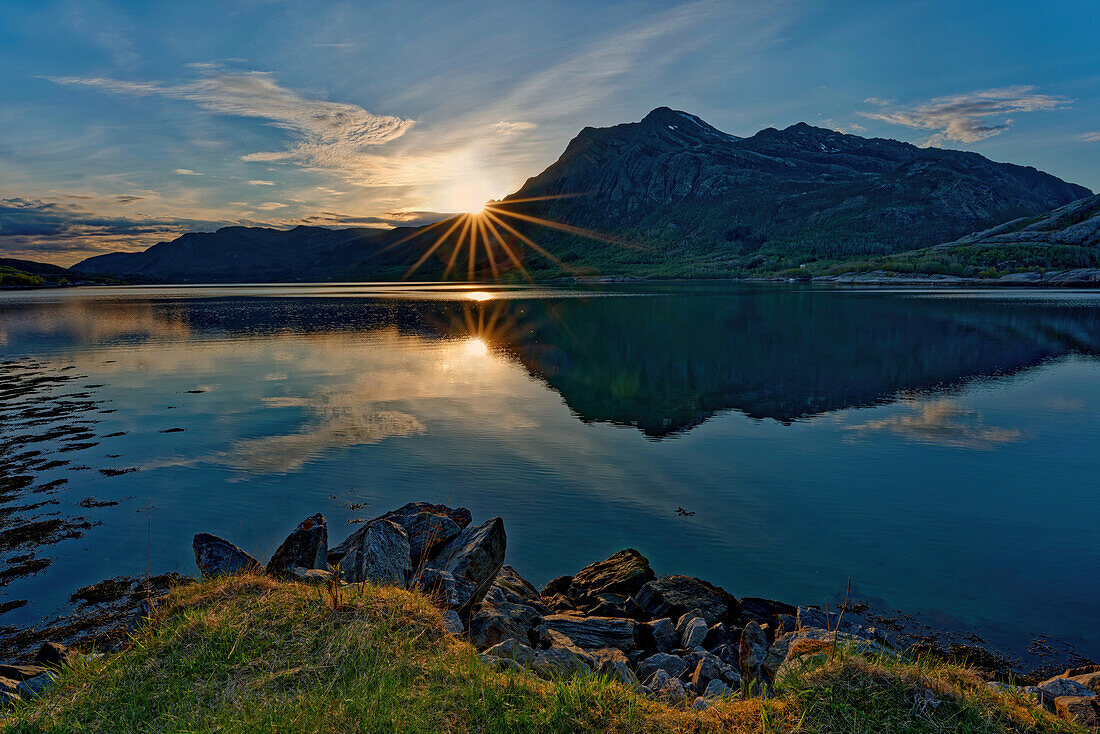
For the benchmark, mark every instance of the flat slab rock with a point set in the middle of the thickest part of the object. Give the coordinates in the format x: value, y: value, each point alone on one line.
x: 594, y: 633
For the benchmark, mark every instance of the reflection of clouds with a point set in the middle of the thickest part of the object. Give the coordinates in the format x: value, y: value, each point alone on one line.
x: 945, y: 423
x: 341, y: 420
x: 1064, y: 403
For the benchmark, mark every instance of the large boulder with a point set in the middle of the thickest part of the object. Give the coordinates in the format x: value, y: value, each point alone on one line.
x: 55, y: 655
x: 446, y: 589
x: 218, y: 557
x: 673, y: 666
x: 21, y: 672
x: 1065, y: 687
x: 1079, y: 709
x: 378, y: 552
x: 594, y: 633
x: 672, y: 596
x: 476, y: 554
x: 752, y: 651
x: 709, y: 668
x: 428, y: 530
x: 695, y: 632
x: 1088, y: 680
x: 659, y: 635
x: 492, y: 624
x: 458, y: 515
x: 811, y: 617
x: 306, y: 547
x: 763, y: 610
x: 509, y: 586
x: 613, y: 663
x: 622, y: 574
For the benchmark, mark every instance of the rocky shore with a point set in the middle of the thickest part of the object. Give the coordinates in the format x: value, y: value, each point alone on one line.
x: 676, y: 639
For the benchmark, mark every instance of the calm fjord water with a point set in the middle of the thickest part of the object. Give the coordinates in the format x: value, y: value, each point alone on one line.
x: 941, y: 448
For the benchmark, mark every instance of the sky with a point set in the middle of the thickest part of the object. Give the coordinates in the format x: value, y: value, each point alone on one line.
x: 123, y: 124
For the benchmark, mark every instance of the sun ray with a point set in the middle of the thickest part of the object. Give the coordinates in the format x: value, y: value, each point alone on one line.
x: 488, y: 247
x: 458, y: 245
x: 473, y: 245
x: 442, y: 238
x: 535, y: 198
x: 526, y: 240
x: 419, y: 231
x: 563, y: 227
x: 508, y: 250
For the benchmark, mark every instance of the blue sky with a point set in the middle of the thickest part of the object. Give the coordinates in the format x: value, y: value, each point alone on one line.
x: 123, y: 124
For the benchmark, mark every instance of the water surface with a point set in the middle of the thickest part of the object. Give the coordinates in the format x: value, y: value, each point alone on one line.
x: 938, y: 447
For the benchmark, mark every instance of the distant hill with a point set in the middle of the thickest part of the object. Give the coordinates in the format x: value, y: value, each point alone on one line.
x: 1065, y: 239
x: 31, y: 274
x: 684, y: 197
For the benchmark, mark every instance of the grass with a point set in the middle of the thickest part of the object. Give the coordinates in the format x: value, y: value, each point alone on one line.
x: 249, y: 654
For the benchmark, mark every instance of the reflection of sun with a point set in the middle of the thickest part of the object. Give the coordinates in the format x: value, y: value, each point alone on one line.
x: 476, y: 347
x: 479, y: 296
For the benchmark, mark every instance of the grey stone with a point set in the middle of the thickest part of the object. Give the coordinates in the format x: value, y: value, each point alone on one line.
x: 816, y: 619
x: 593, y: 633
x: 218, y: 557
x: 717, y: 635
x: 453, y: 623
x: 512, y: 650
x: 673, y: 693
x: 36, y: 686
x: 563, y: 657
x: 447, y: 590
x: 1079, y: 709
x: 305, y: 547
x: 710, y: 668
x: 378, y: 553
x: 476, y: 554
x: 694, y: 633
x: 612, y: 663
x: 1065, y: 687
x: 495, y: 623
x: 509, y: 586
x: 672, y: 596
x: 658, y: 679
x: 700, y: 704
x: 717, y: 690
x: 752, y: 650
x: 1090, y: 680
x: 21, y: 672
x: 685, y: 619
x: 671, y: 664
x: 317, y: 576
x: 663, y: 634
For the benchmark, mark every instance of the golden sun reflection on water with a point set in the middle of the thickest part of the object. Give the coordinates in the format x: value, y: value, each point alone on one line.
x: 476, y: 347
x: 479, y: 296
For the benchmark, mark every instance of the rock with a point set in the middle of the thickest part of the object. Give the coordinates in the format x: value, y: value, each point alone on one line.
x: 787, y: 623
x: 752, y: 650
x: 593, y: 633
x: 1081, y: 670
x: 494, y: 623
x: 710, y: 668
x: 1079, y: 709
x: 717, y: 690
x: 671, y: 596
x: 671, y: 664
x: 685, y: 619
x: 458, y: 515
x: 1039, y: 696
x: 694, y: 633
x: 9, y: 691
x: 36, y: 686
x: 560, y: 603
x: 427, y: 531
x: 217, y: 557
x: 512, y: 650
x: 476, y: 554
x: 563, y: 657
x: 762, y: 610
x: 662, y: 633
x: 673, y: 693
x: 728, y: 654
x: 453, y: 623
x: 445, y: 589
x: 317, y: 576
x: 658, y: 679
x: 1058, y: 687
x: 306, y: 547
x: 700, y: 704
x: 509, y: 586
x: 378, y: 552
x: 717, y: 635
x: 55, y: 655
x: 1088, y: 680
x: 560, y: 585
x: 615, y: 605
x: 611, y: 662
x: 778, y: 651
x: 623, y: 573
x: 21, y: 672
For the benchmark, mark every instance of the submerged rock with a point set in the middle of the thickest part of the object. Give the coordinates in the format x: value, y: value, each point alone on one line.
x: 218, y: 557
x: 306, y: 547
x: 379, y: 553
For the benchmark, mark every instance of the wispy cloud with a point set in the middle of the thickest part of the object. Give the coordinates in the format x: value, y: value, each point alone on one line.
x: 258, y: 182
x: 187, y: 172
x: 966, y: 118
x: 270, y: 205
x: 944, y: 423
x: 326, y: 135
x: 1091, y: 137
x: 512, y: 127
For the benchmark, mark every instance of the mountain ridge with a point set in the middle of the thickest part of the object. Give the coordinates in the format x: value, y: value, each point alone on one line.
x: 694, y: 200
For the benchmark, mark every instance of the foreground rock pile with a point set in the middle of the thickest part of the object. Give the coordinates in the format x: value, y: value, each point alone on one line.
x: 677, y: 639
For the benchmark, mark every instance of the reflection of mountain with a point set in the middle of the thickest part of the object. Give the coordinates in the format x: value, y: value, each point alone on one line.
x: 663, y: 360
x: 665, y: 363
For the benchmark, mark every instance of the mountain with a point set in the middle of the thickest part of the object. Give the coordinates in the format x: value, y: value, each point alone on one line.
x: 30, y: 274
x: 669, y: 196
x: 1061, y: 246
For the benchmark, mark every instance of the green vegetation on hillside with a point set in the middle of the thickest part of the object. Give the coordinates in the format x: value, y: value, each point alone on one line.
x: 10, y: 277
x: 250, y: 654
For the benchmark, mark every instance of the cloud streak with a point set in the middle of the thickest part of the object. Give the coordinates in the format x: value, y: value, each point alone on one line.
x: 966, y: 118
x: 326, y: 135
